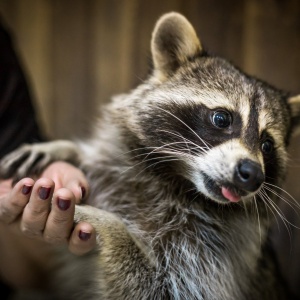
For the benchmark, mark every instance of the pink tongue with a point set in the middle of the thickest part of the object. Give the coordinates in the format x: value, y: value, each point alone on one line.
x: 231, y: 196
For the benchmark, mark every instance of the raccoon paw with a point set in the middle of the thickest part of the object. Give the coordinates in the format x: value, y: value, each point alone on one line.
x: 26, y: 160
x: 33, y: 159
x: 104, y: 222
x: 96, y: 217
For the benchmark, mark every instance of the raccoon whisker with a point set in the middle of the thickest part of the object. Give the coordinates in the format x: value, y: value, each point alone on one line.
x: 176, y: 152
x: 187, y: 144
x: 239, y: 204
x: 143, y: 161
x: 204, y: 149
x: 278, y: 210
x: 154, y: 149
x: 140, y: 155
x: 206, y: 144
x: 157, y: 149
x: 286, y: 223
x: 197, y: 194
x: 183, y: 149
x: 287, y: 226
x: 144, y: 148
x: 167, y: 145
x: 190, y: 190
x: 274, y: 211
x: 166, y: 160
x: 258, y: 219
x: 174, y: 156
x: 185, y: 141
x: 290, y: 204
x: 136, y: 149
x: 296, y: 203
x: 269, y: 177
x: 269, y: 208
x: 245, y: 209
x: 170, y: 151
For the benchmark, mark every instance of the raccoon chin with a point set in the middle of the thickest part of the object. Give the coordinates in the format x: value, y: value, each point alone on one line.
x: 223, y: 193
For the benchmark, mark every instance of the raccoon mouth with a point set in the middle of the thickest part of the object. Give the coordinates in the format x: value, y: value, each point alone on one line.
x: 231, y: 195
x: 223, y: 192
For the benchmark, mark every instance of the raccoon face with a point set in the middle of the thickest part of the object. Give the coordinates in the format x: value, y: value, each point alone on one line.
x: 224, y: 131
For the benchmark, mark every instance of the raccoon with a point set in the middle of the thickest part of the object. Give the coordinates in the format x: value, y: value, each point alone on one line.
x: 184, y: 172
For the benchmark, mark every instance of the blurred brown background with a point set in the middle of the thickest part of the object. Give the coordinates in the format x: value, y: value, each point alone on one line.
x: 77, y: 53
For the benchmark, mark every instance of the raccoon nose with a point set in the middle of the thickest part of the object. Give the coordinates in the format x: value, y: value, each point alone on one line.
x: 248, y: 175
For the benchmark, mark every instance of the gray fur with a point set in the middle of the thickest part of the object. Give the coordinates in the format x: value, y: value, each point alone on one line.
x: 161, y: 233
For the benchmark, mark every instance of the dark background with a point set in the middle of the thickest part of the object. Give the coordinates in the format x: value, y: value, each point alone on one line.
x: 77, y: 53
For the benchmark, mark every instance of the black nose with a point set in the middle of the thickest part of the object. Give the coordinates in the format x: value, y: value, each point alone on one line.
x: 248, y: 175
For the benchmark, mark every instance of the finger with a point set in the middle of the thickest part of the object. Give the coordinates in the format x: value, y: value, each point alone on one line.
x: 79, y: 188
x: 14, y: 202
x: 5, y: 187
x: 83, y: 239
x: 36, y: 212
x: 68, y: 176
x: 60, y: 221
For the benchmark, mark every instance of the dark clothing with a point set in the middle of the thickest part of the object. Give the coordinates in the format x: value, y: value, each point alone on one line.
x: 17, y: 119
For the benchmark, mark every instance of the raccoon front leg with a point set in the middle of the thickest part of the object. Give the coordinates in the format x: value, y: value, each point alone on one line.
x: 32, y: 159
x: 126, y: 268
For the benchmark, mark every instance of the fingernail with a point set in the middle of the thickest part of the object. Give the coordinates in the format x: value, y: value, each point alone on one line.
x: 84, y: 236
x: 63, y: 204
x: 44, y: 192
x: 83, y: 192
x: 26, y: 189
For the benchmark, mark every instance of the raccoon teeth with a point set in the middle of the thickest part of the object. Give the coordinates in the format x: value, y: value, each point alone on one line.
x: 230, y: 195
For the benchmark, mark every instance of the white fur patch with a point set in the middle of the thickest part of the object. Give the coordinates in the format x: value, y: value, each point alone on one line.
x: 219, y: 164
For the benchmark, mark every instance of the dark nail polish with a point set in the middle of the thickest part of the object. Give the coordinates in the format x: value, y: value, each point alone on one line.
x: 44, y: 192
x: 84, y: 236
x: 26, y: 189
x: 63, y: 204
x: 83, y: 192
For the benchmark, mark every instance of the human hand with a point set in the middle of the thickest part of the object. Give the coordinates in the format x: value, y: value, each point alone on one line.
x: 44, y: 209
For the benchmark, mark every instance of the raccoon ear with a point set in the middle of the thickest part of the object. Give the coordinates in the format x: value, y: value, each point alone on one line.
x: 294, y: 103
x: 174, y: 42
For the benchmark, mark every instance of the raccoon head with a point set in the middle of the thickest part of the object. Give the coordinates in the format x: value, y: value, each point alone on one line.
x: 222, y: 130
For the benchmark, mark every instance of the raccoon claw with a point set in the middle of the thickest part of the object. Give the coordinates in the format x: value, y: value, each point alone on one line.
x: 25, y: 161
x: 32, y: 159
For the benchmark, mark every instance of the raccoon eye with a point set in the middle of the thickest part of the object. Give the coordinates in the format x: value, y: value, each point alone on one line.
x: 221, y: 119
x: 267, y: 146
